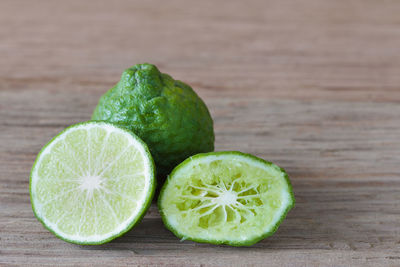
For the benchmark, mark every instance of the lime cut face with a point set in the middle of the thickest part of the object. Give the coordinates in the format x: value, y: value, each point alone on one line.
x: 225, y: 198
x: 92, y: 183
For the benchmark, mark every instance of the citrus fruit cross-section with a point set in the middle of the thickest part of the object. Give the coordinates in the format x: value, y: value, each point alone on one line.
x: 92, y: 183
x: 225, y: 198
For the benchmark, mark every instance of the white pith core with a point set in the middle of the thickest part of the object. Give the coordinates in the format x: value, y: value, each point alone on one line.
x: 91, y: 182
x: 227, y: 198
x: 221, y: 196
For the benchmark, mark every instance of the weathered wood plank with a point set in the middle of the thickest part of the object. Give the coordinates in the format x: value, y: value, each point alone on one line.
x: 311, y: 85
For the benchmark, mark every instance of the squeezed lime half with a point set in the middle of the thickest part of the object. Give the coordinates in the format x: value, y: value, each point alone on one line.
x: 92, y: 183
x: 227, y: 198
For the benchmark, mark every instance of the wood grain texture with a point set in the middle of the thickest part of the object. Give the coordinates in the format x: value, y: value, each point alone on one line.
x: 312, y: 85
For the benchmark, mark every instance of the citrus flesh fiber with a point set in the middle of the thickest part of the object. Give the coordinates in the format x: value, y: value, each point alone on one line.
x: 225, y: 198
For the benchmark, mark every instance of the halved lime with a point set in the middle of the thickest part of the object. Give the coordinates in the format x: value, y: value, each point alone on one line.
x: 92, y: 183
x: 227, y: 198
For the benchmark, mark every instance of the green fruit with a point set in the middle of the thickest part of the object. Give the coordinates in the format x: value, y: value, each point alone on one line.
x: 227, y: 198
x: 165, y: 113
x: 92, y: 183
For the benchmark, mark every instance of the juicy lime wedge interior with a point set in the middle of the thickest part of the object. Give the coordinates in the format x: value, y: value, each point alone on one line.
x: 225, y: 198
x: 92, y: 183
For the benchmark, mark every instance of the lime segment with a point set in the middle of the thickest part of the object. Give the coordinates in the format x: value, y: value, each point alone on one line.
x: 225, y: 198
x: 92, y: 183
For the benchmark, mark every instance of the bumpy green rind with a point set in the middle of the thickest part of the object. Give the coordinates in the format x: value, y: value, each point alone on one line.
x: 165, y: 113
x: 134, y: 222
x: 249, y: 242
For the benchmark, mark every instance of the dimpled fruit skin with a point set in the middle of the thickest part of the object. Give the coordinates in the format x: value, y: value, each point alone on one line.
x: 165, y: 113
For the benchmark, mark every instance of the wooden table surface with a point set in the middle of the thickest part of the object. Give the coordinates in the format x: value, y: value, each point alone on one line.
x: 311, y: 85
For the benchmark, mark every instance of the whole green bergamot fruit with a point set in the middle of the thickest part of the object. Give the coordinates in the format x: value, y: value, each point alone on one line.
x: 165, y: 113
